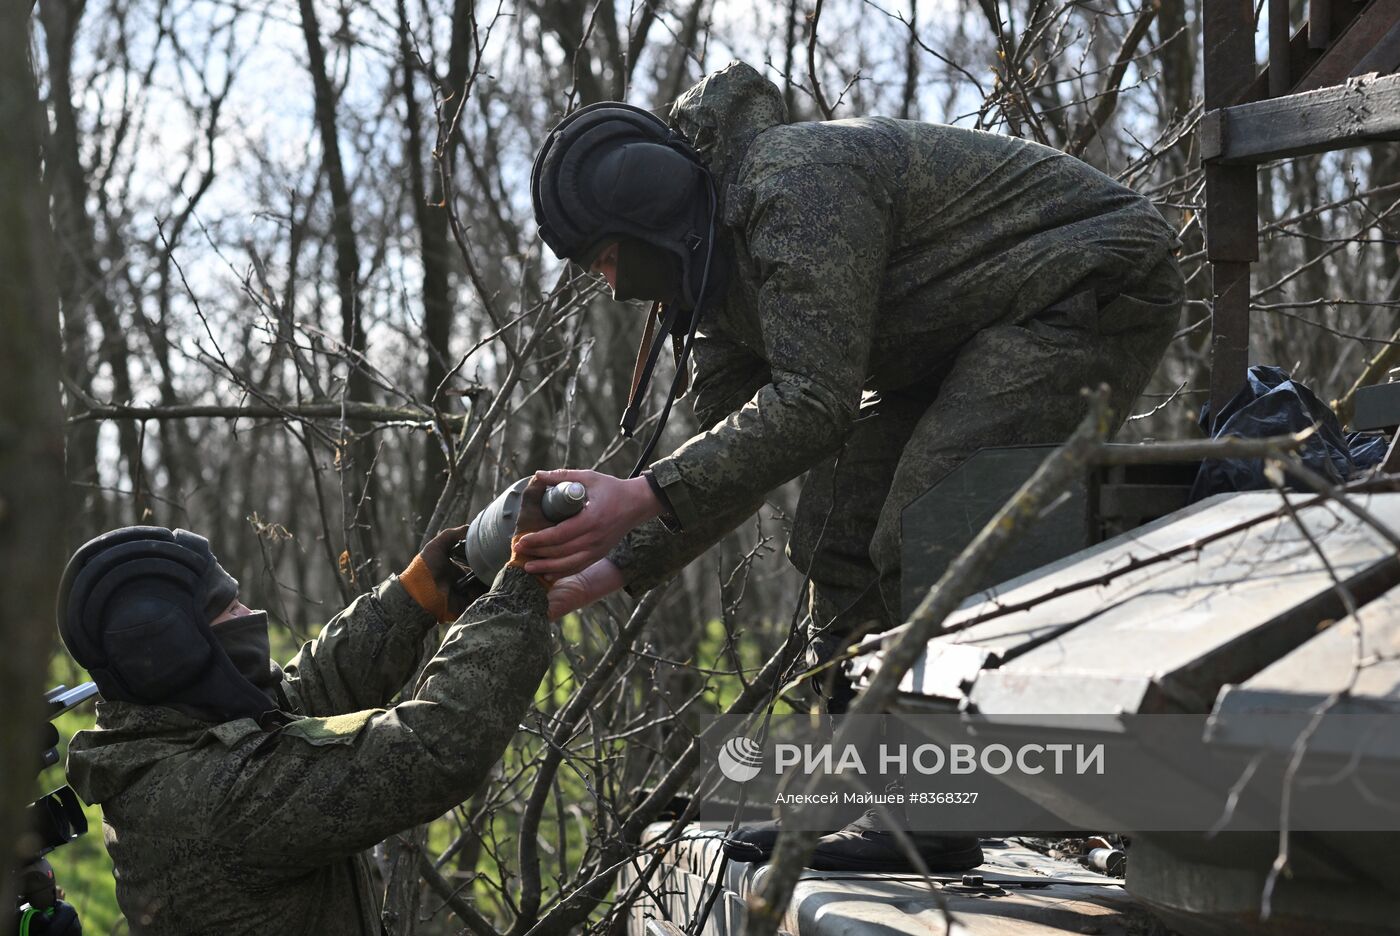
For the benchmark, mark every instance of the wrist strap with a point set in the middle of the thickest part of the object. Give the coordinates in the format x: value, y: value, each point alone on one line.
x: 668, y: 513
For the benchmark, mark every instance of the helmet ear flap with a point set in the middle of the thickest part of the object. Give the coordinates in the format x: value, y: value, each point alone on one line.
x: 161, y: 654
x: 152, y: 640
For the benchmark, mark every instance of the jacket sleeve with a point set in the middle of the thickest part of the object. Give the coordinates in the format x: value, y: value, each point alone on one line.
x: 363, y: 657
x: 323, y: 788
x: 819, y: 239
x: 726, y: 376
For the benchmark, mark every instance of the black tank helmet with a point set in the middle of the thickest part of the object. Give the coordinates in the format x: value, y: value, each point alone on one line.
x: 134, y: 609
x: 612, y: 172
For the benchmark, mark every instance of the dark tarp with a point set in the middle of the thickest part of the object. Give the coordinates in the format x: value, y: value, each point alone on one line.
x: 1273, y: 404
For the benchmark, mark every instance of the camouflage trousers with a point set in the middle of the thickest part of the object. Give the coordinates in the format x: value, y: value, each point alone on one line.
x: 1009, y: 385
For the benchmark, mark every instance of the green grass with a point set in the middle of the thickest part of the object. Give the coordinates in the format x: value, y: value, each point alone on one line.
x: 82, y: 868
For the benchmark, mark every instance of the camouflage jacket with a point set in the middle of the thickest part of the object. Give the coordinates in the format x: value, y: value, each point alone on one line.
x: 863, y: 253
x: 230, y: 829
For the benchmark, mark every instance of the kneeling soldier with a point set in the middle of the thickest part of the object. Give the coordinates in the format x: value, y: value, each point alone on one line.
x: 239, y: 797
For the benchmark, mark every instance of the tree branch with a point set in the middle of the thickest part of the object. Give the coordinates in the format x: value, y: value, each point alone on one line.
x: 1384, y: 359
x: 1158, y: 453
x: 350, y: 409
x: 817, y: 95
x: 1108, y: 97
x: 474, y: 921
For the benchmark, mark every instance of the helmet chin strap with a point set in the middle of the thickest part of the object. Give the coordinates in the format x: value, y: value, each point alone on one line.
x: 641, y: 377
x: 647, y: 355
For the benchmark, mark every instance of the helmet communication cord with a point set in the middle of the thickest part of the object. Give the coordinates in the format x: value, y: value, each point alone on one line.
x: 642, y: 378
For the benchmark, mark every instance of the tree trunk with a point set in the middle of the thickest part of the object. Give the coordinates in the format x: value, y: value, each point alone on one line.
x: 432, y: 232
x: 909, y: 101
x: 31, y: 435
x: 790, y: 60
x: 1178, y: 57
x: 358, y: 481
x: 1385, y: 170
x: 81, y: 280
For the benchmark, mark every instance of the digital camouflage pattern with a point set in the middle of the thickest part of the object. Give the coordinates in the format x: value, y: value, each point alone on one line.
x: 230, y: 829
x: 974, y: 282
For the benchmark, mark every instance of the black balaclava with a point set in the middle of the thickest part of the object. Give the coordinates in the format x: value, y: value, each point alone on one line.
x: 244, y: 639
x: 645, y: 271
x: 134, y: 609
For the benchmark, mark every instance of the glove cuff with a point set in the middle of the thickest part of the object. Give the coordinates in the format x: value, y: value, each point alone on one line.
x: 421, y: 586
x: 518, y: 561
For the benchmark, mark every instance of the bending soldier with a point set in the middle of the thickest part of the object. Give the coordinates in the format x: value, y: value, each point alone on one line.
x: 872, y: 301
x: 869, y: 301
x: 240, y: 797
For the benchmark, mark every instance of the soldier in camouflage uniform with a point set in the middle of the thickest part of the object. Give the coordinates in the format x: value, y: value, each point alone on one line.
x: 239, y: 797
x: 885, y: 298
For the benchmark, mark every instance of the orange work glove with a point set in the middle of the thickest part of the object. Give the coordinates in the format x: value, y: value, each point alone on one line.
x: 431, y: 574
x: 530, y: 519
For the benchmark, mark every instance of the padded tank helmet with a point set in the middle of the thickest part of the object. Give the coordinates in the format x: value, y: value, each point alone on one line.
x: 612, y: 171
x: 134, y: 609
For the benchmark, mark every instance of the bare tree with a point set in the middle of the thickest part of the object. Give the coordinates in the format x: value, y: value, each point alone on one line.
x: 31, y: 438
x: 312, y: 319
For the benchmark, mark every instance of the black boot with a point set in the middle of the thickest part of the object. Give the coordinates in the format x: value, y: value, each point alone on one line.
x: 868, y: 845
x: 753, y: 842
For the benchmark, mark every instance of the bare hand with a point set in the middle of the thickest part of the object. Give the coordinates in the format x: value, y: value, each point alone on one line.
x: 614, y: 507
x: 594, y: 583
